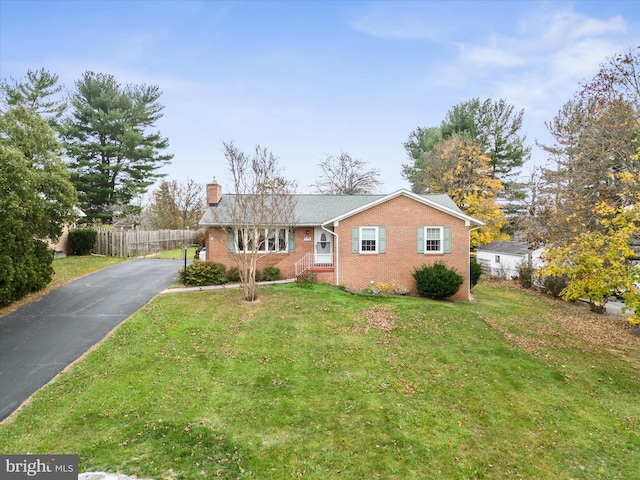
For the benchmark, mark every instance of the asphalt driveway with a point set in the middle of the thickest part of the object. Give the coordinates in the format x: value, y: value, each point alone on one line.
x: 40, y: 339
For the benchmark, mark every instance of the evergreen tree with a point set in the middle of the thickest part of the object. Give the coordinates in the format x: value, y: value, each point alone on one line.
x: 494, y: 124
x: 40, y: 93
x: 37, y: 199
x: 115, y: 155
x: 419, y: 146
x: 497, y: 126
x: 463, y: 119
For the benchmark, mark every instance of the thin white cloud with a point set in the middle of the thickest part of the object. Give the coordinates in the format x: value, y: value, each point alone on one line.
x: 548, y: 54
x: 399, y: 20
x: 404, y: 28
x: 489, y: 56
x: 568, y: 25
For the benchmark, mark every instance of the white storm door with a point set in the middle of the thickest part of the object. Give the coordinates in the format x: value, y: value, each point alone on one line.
x: 323, y: 242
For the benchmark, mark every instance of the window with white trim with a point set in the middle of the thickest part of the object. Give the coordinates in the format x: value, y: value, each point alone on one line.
x: 433, y: 239
x: 368, y: 239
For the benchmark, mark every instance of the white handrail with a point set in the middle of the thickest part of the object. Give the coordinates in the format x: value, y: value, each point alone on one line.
x: 304, y: 264
x: 313, y: 260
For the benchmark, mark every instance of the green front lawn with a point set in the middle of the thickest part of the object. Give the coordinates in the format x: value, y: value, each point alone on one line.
x: 177, y: 254
x: 317, y: 383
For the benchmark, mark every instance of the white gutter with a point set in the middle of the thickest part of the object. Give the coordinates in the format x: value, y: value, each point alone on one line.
x: 469, y: 279
x: 336, y: 255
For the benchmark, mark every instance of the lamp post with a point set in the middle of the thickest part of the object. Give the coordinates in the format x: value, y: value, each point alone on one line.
x: 184, y: 272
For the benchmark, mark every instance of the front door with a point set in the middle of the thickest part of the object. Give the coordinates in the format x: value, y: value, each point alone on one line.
x: 323, y: 241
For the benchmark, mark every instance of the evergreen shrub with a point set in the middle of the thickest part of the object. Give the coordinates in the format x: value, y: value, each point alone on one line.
x: 476, y: 271
x: 25, y: 267
x: 233, y: 275
x: 204, y: 273
x: 437, y: 281
x: 82, y: 240
x: 271, y: 273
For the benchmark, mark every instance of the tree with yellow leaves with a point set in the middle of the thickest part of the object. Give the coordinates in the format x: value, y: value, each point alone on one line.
x: 494, y: 128
x: 589, y: 213
x: 594, y: 155
x: 458, y: 167
x: 598, y: 264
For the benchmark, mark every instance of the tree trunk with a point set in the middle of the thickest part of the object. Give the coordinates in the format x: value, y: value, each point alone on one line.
x: 250, y: 292
x: 597, y: 307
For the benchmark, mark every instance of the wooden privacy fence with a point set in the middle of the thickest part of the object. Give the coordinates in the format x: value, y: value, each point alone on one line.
x: 134, y: 243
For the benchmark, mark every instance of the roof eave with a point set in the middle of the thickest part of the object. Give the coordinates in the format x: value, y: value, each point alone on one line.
x: 467, y: 219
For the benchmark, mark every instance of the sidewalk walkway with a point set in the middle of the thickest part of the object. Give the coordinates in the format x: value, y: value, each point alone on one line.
x: 223, y: 287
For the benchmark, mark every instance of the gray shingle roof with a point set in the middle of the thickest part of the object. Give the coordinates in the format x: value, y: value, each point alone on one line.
x: 319, y: 209
x: 509, y: 248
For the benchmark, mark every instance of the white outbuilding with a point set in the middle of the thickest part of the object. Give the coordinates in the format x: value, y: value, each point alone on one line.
x: 503, y: 259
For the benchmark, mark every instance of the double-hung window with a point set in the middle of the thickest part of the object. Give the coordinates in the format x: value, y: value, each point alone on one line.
x: 369, y: 239
x: 434, y: 239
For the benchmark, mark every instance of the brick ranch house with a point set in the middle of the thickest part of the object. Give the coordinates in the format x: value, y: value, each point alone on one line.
x: 355, y: 240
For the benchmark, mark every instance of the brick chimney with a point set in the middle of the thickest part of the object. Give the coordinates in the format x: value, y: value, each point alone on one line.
x: 214, y: 193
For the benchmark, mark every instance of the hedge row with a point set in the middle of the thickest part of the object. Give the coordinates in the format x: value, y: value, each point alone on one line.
x: 199, y: 274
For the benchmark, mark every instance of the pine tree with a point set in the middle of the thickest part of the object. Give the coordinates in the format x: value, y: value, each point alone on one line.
x: 115, y: 155
x: 40, y: 93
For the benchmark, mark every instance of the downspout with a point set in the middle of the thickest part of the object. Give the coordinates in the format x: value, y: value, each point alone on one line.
x: 337, y: 251
x: 469, y: 279
x: 471, y: 230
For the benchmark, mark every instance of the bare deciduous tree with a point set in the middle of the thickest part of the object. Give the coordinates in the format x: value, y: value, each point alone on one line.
x: 177, y: 206
x: 346, y: 176
x: 535, y: 206
x: 259, y: 217
x: 594, y: 155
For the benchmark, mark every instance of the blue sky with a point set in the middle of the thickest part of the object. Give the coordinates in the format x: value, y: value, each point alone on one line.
x: 310, y: 79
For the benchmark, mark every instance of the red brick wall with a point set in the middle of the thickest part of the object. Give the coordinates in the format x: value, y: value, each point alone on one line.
x: 401, y: 216
x: 217, y: 251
